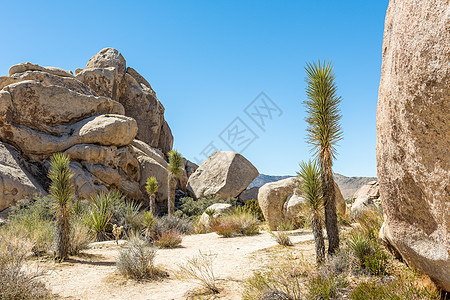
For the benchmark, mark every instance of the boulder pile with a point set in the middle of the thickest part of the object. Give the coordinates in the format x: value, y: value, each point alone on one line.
x: 107, y: 118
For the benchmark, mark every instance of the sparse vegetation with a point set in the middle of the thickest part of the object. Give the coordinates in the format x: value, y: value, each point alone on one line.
x: 252, y: 207
x: 282, y: 238
x: 168, y: 239
x: 135, y: 260
x: 235, y: 223
x: 200, y: 268
x: 191, y: 209
x: 175, y: 169
x: 152, y: 187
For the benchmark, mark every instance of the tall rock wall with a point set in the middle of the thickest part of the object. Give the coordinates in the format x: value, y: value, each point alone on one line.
x: 413, y: 134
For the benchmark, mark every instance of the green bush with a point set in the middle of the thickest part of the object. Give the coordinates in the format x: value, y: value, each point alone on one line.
x: 135, y: 260
x: 325, y: 286
x: 369, y: 253
x: 396, y: 289
x: 252, y: 207
x: 190, y: 208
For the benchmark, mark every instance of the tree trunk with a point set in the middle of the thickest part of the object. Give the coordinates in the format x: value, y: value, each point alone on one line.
x: 63, y: 234
x: 152, y: 204
x: 330, y: 211
x: 316, y: 225
x: 171, y: 198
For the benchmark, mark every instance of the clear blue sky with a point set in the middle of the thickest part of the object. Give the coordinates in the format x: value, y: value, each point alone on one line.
x: 208, y: 60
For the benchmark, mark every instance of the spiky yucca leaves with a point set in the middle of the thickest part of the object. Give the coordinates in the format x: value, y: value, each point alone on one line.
x: 311, y: 188
x: 175, y: 169
x: 324, y: 132
x: 61, y: 190
x: 152, y: 187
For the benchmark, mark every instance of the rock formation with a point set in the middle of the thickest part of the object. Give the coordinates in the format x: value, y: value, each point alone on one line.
x: 107, y: 118
x: 371, y: 189
x: 225, y: 174
x: 413, y: 134
x: 281, y: 200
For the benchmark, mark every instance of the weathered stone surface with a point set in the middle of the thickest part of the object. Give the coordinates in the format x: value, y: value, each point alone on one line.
x: 150, y: 152
x: 107, y: 57
x: 249, y: 194
x: 85, y: 184
x: 15, y: 182
x: 360, y: 205
x: 225, y: 174
x: 105, y: 82
x: 190, y: 167
x: 371, y: 189
x: 413, y: 134
x: 145, y: 109
x: 48, y: 79
x: 23, y: 67
x: 38, y: 106
x: 271, y: 198
x: 165, y: 142
x: 145, y: 85
x: 105, y: 130
x: 219, y: 209
x: 281, y: 200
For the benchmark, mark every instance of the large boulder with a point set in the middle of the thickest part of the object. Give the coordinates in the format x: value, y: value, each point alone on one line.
x: 413, y: 134
x: 225, y: 174
x: 281, y: 200
x: 16, y: 182
x: 107, y: 57
x: 371, y: 189
x: 218, y: 208
x: 360, y: 205
x: 249, y: 194
x: 271, y: 199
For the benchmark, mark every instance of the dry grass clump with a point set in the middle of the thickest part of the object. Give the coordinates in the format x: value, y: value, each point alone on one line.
x: 200, y: 269
x: 16, y: 281
x: 135, y: 260
x: 168, y: 239
x: 281, y: 236
x: 236, y: 223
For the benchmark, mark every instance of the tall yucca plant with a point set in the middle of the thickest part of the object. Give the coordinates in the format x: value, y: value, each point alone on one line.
x: 152, y: 187
x: 61, y: 190
x: 311, y: 188
x: 324, y: 132
x: 175, y: 169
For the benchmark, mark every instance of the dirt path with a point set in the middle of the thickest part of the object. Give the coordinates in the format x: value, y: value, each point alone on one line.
x: 94, y: 276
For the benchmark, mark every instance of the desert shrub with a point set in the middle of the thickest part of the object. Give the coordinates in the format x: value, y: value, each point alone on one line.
x: 284, y: 276
x: 200, y: 268
x: 200, y: 227
x: 135, y: 260
x: 131, y: 216
x: 168, y: 223
x: 371, y: 222
x: 190, y: 208
x: 235, y: 223
x: 148, y: 224
x: 368, y: 252
x: 15, y: 281
x: 34, y: 221
x: 252, y: 207
x: 168, y: 239
x: 98, y: 216
x: 396, y: 289
x: 80, y: 237
x: 325, y: 285
x: 282, y: 238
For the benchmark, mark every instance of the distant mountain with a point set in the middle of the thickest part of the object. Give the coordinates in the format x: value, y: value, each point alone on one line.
x: 347, y: 185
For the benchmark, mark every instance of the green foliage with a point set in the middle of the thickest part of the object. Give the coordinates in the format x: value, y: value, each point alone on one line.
x: 80, y: 237
x: 148, y: 223
x: 175, y: 166
x: 151, y: 185
x: 311, y: 187
x: 132, y: 217
x: 190, y: 208
x: 99, y: 214
x: 396, y: 289
x: 135, y: 260
x: 168, y: 239
x: 61, y: 191
x: 323, y: 112
x: 252, y: 207
x: 16, y: 282
x: 325, y: 286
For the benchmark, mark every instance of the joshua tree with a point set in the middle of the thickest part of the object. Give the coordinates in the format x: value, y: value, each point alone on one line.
x: 61, y: 191
x: 311, y: 188
x: 175, y: 169
x: 324, y: 132
x: 152, y: 187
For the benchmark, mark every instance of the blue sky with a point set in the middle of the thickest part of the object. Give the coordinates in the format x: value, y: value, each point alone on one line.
x: 208, y: 60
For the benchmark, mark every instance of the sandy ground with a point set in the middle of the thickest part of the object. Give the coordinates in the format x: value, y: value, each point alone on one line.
x: 93, y: 275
